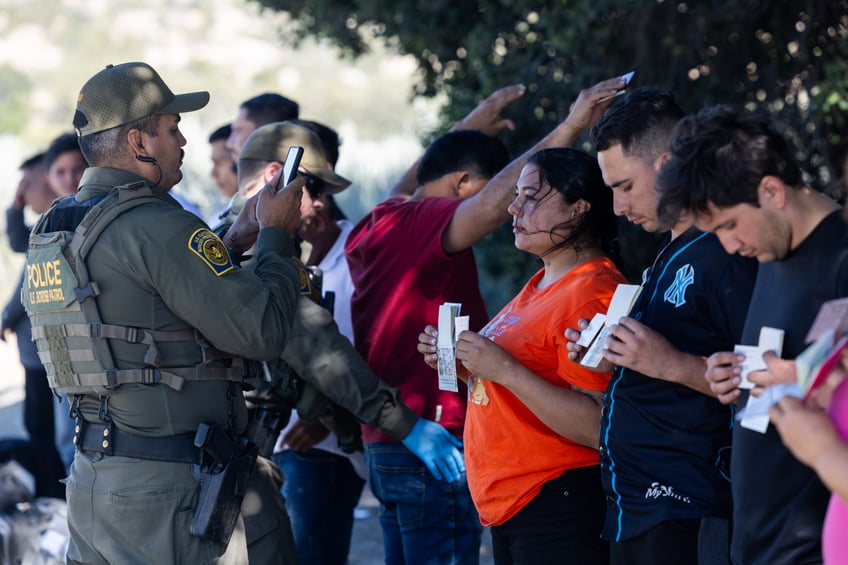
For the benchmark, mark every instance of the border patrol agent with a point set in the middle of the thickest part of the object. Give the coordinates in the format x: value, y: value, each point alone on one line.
x: 141, y: 317
x: 327, y: 363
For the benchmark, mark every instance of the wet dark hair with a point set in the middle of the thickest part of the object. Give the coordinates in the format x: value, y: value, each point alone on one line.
x: 575, y: 175
x: 482, y: 156
x: 270, y: 107
x: 719, y: 157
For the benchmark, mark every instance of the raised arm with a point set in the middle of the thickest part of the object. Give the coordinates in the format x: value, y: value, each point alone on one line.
x: 485, y: 117
x: 484, y: 212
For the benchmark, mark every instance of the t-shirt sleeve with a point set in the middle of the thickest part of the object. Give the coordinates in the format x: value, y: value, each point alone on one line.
x: 733, y: 296
x: 428, y: 220
x: 596, y: 291
x: 572, y: 371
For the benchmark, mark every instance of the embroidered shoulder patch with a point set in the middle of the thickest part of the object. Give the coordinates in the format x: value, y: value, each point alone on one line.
x: 211, y: 250
x: 305, y: 282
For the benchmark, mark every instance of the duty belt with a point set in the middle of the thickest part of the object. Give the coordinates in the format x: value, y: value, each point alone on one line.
x: 109, y: 440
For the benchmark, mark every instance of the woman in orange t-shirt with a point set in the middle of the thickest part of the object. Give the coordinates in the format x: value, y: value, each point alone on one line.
x: 531, y: 432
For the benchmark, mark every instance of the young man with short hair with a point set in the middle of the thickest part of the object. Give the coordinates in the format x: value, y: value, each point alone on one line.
x: 736, y: 176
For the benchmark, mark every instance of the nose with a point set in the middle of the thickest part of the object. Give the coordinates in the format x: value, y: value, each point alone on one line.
x: 620, y: 206
x: 514, y: 207
x: 730, y: 243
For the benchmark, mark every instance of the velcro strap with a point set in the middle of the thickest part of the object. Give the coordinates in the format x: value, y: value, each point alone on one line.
x: 76, y: 355
x: 172, y: 335
x: 109, y: 440
x: 125, y: 333
x: 235, y: 374
x: 174, y: 377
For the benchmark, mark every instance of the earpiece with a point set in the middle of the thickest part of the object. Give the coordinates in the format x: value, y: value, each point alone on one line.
x: 144, y: 159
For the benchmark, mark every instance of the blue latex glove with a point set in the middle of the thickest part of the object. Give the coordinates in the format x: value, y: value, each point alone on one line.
x: 438, y: 449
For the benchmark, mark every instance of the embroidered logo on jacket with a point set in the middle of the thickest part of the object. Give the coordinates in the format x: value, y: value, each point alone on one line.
x: 676, y: 292
x: 211, y: 250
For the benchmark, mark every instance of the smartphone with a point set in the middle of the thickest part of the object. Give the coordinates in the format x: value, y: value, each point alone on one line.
x: 627, y: 78
x: 290, y: 167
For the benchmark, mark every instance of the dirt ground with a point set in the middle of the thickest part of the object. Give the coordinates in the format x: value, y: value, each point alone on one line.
x: 366, y: 544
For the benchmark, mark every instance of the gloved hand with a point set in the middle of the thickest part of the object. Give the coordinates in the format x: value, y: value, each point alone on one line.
x: 438, y: 449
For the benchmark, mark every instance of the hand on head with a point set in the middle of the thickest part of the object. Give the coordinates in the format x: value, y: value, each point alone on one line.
x: 592, y: 101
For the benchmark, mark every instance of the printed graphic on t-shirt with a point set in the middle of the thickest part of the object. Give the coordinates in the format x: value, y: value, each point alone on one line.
x: 477, y: 391
x: 656, y: 490
x: 497, y: 326
x: 676, y: 292
x: 500, y: 324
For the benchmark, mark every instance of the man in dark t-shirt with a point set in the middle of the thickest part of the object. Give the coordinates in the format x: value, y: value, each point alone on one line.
x: 736, y: 175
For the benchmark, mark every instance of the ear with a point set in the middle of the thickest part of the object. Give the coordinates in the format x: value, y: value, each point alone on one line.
x: 581, y: 208
x: 134, y: 138
x: 467, y: 186
x: 663, y: 158
x: 771, y: 192
x: 462, y: 183
x: 271, y: 170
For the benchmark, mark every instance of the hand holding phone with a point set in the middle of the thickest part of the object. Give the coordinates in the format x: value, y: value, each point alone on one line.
x: 290, y: 166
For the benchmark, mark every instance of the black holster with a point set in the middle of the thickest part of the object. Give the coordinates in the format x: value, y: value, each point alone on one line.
x: 224, y: 476
x: 265, y: 422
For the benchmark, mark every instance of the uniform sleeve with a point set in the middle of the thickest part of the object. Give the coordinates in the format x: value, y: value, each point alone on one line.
x: 240, y: 311
x: 16, y: 230
x: 319, y: 354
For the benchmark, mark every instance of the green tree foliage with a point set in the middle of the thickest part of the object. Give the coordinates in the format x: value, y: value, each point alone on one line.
x: 788, y: 58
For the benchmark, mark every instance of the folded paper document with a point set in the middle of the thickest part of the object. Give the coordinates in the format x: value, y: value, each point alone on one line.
x: 595, y: 335
x: 451, y: 324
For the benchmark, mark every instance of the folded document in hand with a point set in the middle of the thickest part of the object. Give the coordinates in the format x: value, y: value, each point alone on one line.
x: 622, y: 301
x: 451, y: 324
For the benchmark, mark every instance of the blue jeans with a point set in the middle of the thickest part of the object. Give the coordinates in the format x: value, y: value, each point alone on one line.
x: 321, y: 489
x: 424, y: 520
x: 64, y: 426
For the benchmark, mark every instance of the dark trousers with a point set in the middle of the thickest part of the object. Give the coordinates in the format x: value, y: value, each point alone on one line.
x: 562, y: 524
x: 673, y: 542
x: 47, y: 466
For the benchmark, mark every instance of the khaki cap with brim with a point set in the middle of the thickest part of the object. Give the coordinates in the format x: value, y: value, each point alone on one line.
x: 120, y: 94
x: 271, y: 142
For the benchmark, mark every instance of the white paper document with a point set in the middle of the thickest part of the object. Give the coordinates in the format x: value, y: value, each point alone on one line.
x: 622, y: 301
x: 755, y: 414
x: 446, y: 343
x: 771, y: 339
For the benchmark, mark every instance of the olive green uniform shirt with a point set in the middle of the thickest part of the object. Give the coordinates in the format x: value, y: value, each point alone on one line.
x: 323, y: 357
x: 151, y: 277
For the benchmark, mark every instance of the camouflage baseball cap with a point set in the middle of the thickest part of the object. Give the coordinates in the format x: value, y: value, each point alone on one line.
x: 271, y: 142
x: 120, y: 94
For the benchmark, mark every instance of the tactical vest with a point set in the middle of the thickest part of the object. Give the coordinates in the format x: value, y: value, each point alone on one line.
x: 61, y: 301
